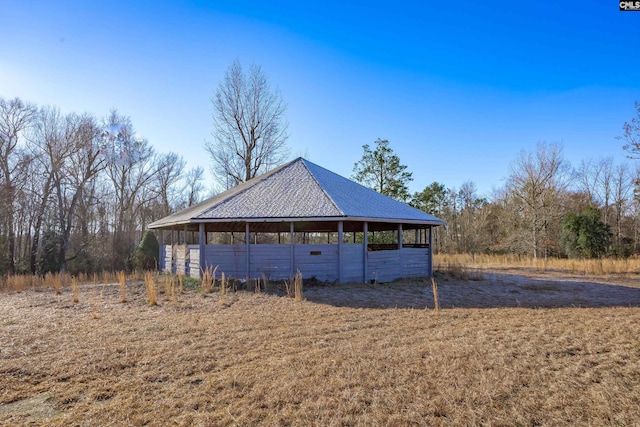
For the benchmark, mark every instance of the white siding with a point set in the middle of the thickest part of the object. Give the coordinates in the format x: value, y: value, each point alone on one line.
x: 194, y: 261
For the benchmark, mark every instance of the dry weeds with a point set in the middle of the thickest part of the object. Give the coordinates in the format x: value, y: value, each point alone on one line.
x: 122, y: 282
x: 626, y: 267
x: 263, y: 359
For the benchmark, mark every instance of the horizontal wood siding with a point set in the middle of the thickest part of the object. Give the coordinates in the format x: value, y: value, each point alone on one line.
x: 352, y: 259
x: 415, y: 262
x: 272, y: 260
x: 168, y: 262
x: 194, y: 261
x: 230, y: 259
x: 181, y: 258
x: 319, y: 261
x: 384, y: 265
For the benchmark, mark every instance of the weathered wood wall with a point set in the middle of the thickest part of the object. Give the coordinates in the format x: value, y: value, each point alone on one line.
x: 352, y: 262
x: 271, y: 260
x: 319, y: 261
x: 415, y: 262
x: 384, y: 266
x: 193, y: 262
x: 230, y: 259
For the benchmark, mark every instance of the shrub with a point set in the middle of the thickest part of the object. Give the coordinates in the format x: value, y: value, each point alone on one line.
x: 146, y: 255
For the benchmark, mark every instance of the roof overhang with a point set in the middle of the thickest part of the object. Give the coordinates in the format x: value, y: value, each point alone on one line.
x: 194, y: 221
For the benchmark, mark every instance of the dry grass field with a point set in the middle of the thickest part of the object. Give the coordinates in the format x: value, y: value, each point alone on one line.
x: 504, y: 350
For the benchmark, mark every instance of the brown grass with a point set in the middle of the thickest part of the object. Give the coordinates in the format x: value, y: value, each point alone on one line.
x: 267, y: 360
x: 122, y: 281
x: 297, y: 286
x: 75, y: 290
x: 150, y: 287
x: 591, y: 267
x: 208, y: 279
x: 180, y: 283
x: 434, y: 289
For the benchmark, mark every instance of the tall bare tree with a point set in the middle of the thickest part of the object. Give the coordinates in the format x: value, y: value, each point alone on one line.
x: 249, y: 126
x: 81, y: 168
x: 631, y: 135
x: 537, y: 179
x: 16, y: 117
x: 50, y: 149
x: 130, y: 166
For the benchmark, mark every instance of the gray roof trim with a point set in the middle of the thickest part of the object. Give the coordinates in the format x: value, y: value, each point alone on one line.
x: 300, y: 219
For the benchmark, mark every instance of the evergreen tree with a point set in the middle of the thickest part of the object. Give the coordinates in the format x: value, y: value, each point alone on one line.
x: 584, y: 235
x: 381, y: 170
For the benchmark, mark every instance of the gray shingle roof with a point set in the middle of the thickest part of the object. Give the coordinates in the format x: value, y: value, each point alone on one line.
x: 299, y: 190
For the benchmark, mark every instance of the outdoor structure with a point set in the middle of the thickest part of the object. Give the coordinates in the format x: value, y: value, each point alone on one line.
x: 299, y: 217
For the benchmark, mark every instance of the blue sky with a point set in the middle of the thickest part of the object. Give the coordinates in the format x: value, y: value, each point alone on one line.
x: 459, y: 88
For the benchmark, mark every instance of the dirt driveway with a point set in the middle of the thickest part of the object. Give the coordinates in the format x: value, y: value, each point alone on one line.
x: 494, y: 290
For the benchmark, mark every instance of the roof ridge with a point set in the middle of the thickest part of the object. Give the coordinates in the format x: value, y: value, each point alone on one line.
x: 304, y: 162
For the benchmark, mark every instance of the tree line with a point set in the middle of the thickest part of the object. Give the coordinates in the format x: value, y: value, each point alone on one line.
x: 77, y: 192
x: 546, y: 208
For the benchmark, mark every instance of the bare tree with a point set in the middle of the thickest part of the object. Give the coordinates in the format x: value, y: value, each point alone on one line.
x: 170, y: 172
x: 50, y: 149
x: 537, y: 179
x: 250, y: 129
x: 631, y: 135
x: 81, y: 168
x: 130, y: 166
x: 194, y: 186
x: 622, y: 194
x: 15, y: 117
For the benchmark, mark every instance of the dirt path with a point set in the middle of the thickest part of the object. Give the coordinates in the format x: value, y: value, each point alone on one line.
x: 493, y: 291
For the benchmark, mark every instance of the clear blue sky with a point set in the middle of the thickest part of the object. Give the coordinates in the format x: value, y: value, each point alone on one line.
x: 459, y: 88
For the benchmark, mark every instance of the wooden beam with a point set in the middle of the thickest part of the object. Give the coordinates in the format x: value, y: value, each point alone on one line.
x: 340, y: 250
x: 400, y: 249
x: 202, y: 242
x: 162, y: 254
x: 292, y: 256
x: 172, y: 253
x: 430, y: 260
x: 365, y: 256
x: 247, y: 238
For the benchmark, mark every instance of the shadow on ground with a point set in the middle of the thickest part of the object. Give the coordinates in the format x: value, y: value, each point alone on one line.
x: 495, y: 290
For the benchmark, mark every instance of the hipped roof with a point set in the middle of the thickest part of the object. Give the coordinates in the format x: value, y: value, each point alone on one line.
x: 299, y: 191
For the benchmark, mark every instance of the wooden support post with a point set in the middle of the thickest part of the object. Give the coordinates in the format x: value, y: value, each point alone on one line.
x: 340, y: 250
x: 400, y: 249
x: 162, y: 254
x: 201, y: 240
x: 365, y: 256
x: 292, y: 254
x: 173, y: 261
x: 430, y: 260
x: 247, y: 246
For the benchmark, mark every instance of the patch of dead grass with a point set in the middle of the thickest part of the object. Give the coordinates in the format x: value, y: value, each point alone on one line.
x: 263, y: 359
